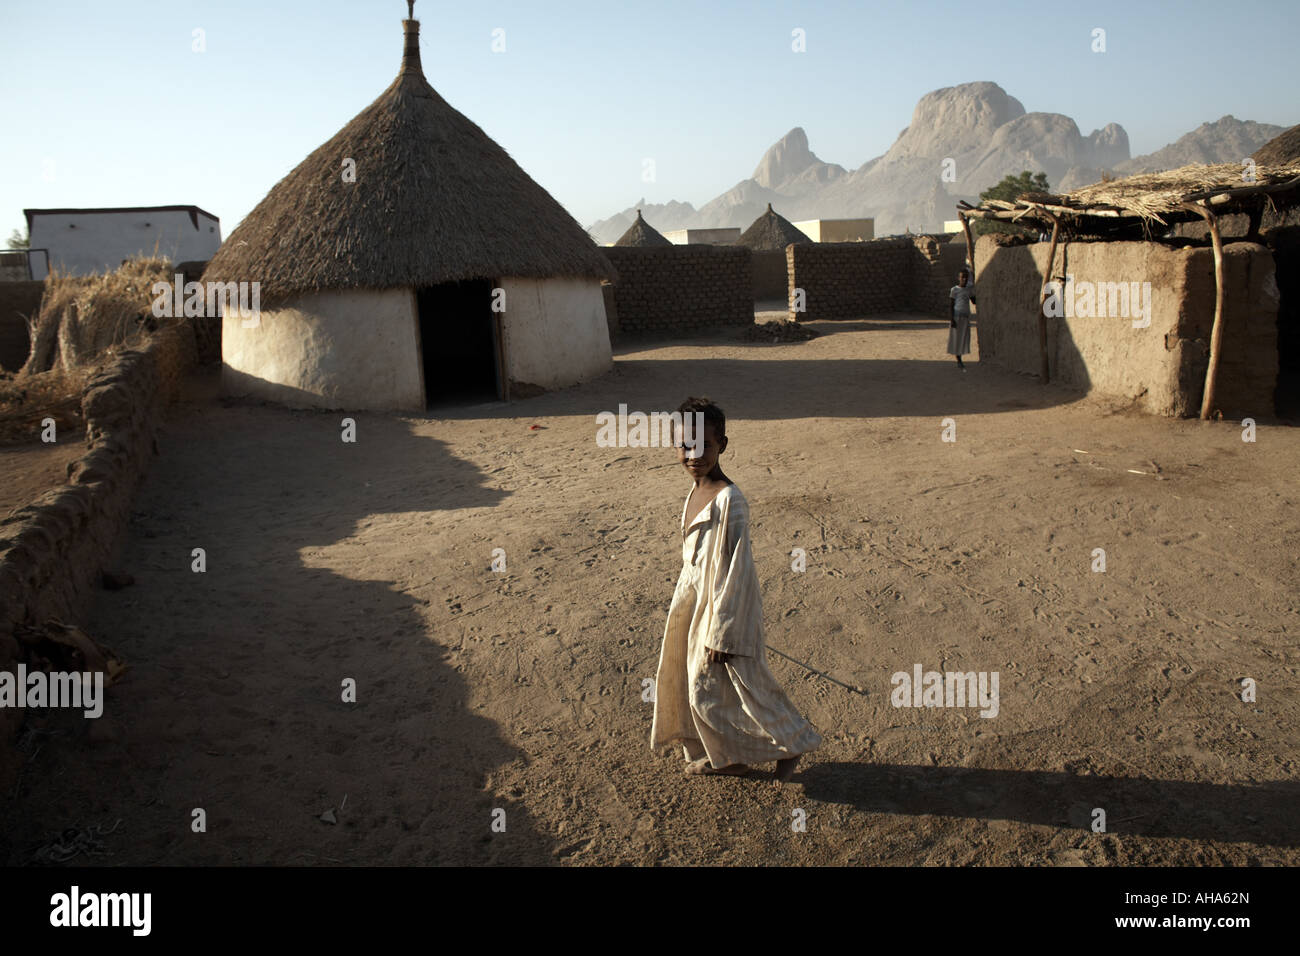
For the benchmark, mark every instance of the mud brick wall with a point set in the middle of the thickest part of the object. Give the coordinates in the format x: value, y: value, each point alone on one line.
x: 53, y: 551
x: 934, y: 273
x: 848, y: 280
x: 771, y: 277
x: 19, y: 301
x: 669, y: 289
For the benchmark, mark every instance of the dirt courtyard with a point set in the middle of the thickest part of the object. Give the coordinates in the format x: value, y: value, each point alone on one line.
x: 480, y: 691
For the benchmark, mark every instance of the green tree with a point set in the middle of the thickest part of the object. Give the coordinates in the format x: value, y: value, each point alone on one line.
x: 1010, y: 189
x: 19, y: 240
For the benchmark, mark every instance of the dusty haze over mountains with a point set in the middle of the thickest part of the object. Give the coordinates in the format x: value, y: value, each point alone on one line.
x: 986, y: 134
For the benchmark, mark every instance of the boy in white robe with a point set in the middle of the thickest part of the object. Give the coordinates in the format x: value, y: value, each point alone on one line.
x: 714, y: 693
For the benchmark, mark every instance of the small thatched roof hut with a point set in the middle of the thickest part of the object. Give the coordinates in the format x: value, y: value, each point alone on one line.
x: 641, y: 233
x: 771, y: 232
x: 407, y: 253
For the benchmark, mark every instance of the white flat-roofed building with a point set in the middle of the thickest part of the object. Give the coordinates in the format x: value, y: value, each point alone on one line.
x: 85, y: 241
x: 838, y: 230
x: 708, y: 237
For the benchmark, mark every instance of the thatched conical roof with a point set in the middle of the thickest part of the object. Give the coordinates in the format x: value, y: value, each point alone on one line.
x: 1282, y: 149
x: 641, y: 233
x: 771, y: 232
x: 434, y: 200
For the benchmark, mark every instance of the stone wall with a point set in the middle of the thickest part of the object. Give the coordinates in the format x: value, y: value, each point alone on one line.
x: 771, y: 279
x: 665, y: 289
x: 53, y: 551
x: 1160, y: 368
x: 19, y: 301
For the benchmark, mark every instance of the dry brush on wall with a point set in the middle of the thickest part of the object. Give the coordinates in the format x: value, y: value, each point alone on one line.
x: 53, y: 552
x: 83, y: 316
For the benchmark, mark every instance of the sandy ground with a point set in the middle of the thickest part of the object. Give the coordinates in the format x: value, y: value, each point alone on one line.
x: 523, y: 690
x: 28, y: 471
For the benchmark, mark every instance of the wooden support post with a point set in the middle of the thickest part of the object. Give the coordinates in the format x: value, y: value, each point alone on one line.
x: 1042, y: 299
x: 1256, y: 217
x: 1216, y: 331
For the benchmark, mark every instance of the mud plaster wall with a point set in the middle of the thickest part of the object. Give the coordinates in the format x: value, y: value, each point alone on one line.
x: 555, y: 332
x: 665, y: 289
x: 19, y: 301
x: 1160, y: 368
x: 352, y: 348
x: 53, y: 551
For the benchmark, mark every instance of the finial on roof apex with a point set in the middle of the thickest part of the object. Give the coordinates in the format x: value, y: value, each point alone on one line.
x: 769, y: 207
x: 410, y: 9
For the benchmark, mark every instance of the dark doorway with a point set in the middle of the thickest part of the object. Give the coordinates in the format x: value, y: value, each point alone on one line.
x: 1286, y: 260
x: 458, y: 343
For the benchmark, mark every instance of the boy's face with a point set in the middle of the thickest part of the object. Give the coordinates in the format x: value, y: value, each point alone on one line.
x: 703, y: 457
x: 961, y: 279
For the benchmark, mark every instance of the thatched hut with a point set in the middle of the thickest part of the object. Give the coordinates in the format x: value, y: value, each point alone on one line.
x: 409, y: 259
x: 641, y: 235
x: 1212, y: 334
x: 766, y: 238
x: 771, y: 232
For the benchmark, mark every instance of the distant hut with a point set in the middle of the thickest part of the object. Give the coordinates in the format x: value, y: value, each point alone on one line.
x: 771, y: 232
x: 767, y: 238
x: 641, y: 233
x: 407, y: 260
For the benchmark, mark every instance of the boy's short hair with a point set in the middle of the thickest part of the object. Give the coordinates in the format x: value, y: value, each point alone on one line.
x: 964, y: 272
x: 713, y: 415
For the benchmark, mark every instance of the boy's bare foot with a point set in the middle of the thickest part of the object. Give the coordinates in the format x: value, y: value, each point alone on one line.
x: 703, y: 768
x: 785, y: 769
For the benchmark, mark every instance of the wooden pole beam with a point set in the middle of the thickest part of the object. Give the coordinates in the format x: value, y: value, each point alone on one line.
x: 970, y: 244
x: 1216, y: 331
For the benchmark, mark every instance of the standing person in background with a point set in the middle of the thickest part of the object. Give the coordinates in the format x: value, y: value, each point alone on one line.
x: 962, y: 296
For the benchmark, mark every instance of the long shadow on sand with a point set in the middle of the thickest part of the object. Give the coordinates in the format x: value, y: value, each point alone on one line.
x: 1152, y: 808
x: 779, y: 389
x: 234, y: 701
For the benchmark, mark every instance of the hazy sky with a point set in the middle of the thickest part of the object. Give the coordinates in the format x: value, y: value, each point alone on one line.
x: 107, y: 103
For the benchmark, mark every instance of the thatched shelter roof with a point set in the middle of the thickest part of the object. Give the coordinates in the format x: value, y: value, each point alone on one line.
x: 1139, y: 203
x: 771, y: 232
x: 434, y: 200
x: 641, y: 233
x: 1282, y: 148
